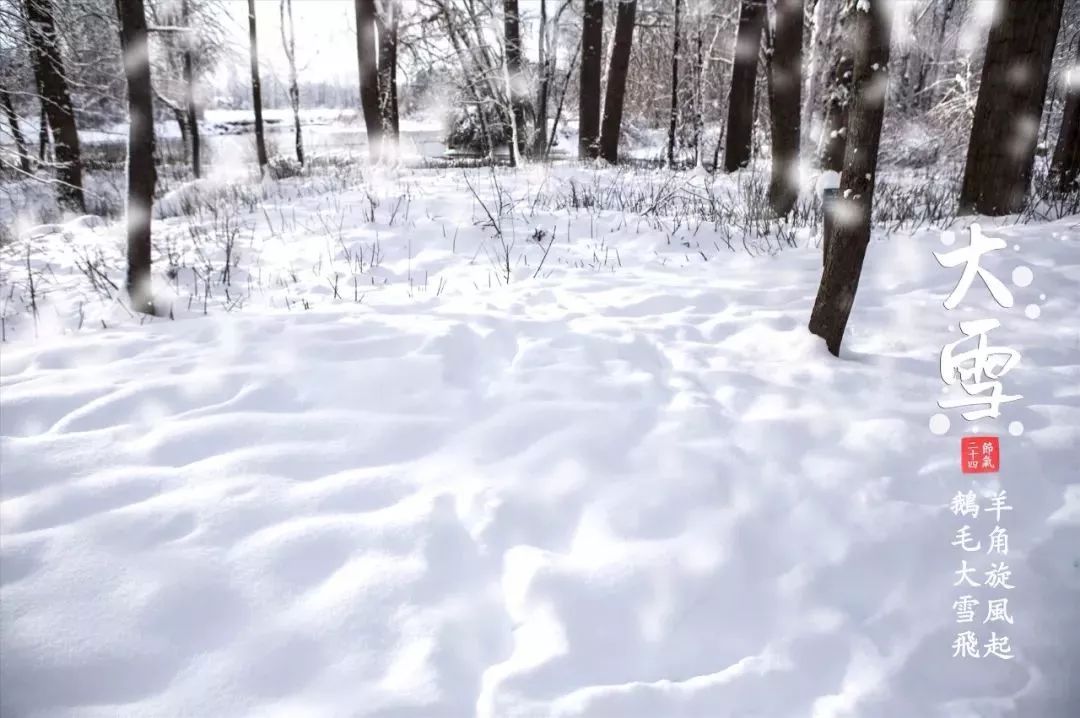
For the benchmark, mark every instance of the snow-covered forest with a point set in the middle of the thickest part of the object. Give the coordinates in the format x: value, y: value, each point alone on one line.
x: 530, y: 358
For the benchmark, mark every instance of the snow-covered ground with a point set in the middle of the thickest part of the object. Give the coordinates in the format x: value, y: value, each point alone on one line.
x: 445, y: 446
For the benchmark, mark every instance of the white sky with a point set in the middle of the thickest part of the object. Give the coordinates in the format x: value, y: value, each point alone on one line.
x: 325, y: 36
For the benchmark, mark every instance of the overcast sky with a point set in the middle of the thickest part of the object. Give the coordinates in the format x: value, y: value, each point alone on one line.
x: 325, y: 36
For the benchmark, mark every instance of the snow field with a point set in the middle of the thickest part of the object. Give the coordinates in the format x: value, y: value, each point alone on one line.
x: 627, y: 484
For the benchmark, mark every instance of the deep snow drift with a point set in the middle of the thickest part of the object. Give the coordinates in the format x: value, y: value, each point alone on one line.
x: 419, y: 461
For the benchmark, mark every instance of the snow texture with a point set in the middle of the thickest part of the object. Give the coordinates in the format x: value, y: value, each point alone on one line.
x: 631, y: 484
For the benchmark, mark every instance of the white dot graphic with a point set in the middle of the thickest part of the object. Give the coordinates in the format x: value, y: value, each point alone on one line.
x: 1042, y: 297
x: 1022, y: 276
x: 1016, y: 247
x: 1032, y: 311
x: 939, y: 424
x: 947, y: 238
x: 1016, y: 428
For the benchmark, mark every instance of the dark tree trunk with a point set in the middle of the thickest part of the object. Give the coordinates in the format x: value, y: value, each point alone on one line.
x: 785, y: 103
x: 56, y: 99
x: 256, y: 88
x: 43, y: 134
x: 16, y: 131
x: 288, y: 41
x: 543, y: 90
x: 592, y: 45
x: 673, y: 116
x: 838, y: 94
x: 850, y: 235
x: 189, y: 85
x: 616, y: 82
x: 740, y: 124
x: 1001, y: 150
x: 387, y: 25
x: 141, y: 175
x: 512, y: 39
x: 369, y: 75
x: 1065, y: 166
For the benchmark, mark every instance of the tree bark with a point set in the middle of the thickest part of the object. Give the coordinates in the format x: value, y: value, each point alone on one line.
x: 141, y: 174
x: 288, y: 41
x: 16, y: 131
x: 592, y: 44
x: 256, y: 88
x: 616, y: 83
x: 673, y: 115
x: 740, y: 122
x: 43, y: 134
x: 838, y: 94
x: 785, y: 103
x: 543, y: 90
x: 850, y: 234
x: 512, y: 41
x: 189, y: 85
x: 1065, y: 165
x: 369, y: 75
x: 56, y: 100
x: 387, y: 24
x: 1015, y: 74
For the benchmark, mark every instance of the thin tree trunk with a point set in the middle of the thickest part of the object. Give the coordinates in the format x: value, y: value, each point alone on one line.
x: 851, y: 236
x: 785, y: 87
x: 592, y: 45
x: 1065, y: 165
x: 56, y: 99
x: 539, y: 138
x: 369, y: 75
x: 141, y: 174
x: 512, y: 68
x: 740, y: 123
x: 16, y: 131
x: 616, y: 82
x: 256, y: 88
x: 288, y: 41
x: 387, y: 24
x: 189, y: 85
x: 673, y: 115
x: 562, y: 99
x: 1016, y: 70
x: 838, y: 94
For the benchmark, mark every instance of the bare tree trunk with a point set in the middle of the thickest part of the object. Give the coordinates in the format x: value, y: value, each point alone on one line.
x: 256, y: 88
x: 616, y: 82
x: 785, y: 87
x: 592, y: 44
x: 543, y: 90
x: 850, y: 236
x: 288, y: 42
x: 369, y: 75
x: 43, y: 134
x: 562, y: 98
x: 740, y: 123
x: 189, y: 85
x: 16, y: 131
x: 141, y: 174
x: 1001, y: 150
x: 673, y: 115
x: 56, y: 100
x: 387, y: 24
x: 838, y: 93
x: 1065, y: 165
x: 512, y: 68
